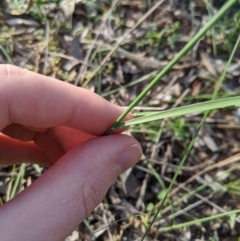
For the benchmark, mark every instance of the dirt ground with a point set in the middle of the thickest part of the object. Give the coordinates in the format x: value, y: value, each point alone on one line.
x: 115, y: 48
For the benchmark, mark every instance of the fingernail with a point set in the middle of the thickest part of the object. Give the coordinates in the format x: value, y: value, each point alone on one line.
x: 130, y: 156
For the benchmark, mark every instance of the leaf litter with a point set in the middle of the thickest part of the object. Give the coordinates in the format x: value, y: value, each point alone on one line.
x: 130, y: 203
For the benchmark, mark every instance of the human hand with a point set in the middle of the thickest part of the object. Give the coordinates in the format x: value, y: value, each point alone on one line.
x: 55, y: 124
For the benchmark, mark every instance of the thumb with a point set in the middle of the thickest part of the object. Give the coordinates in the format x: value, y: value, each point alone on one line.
x: 68, y: 192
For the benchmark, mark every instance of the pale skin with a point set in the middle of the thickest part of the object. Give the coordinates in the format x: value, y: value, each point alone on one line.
x: 55, y: 124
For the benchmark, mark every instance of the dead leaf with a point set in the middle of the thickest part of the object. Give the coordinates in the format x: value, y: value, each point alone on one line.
x: 208, y: 64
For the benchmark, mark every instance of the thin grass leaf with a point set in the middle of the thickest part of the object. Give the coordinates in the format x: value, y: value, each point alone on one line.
x: 88, y: 226
x: 199, y: 221
x: 194, y: 137
x: 10, y: 185
x: 17, y: 181
x: 184, y: 198
x: 81, y: 74
x: 195, y: 192
x: 7, y: 56
x: 99, y: 79
x: 207, y: 96
x: 137, y: 81
x: 37, y: 168
x: 182, y: 53
x: 156, y: 175
x: 145, y: 113
x: 213, y: 32
x: 184, y: 110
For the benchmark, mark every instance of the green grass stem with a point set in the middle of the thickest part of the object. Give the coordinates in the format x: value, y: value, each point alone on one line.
x: 156, y: 175
x: 194, y: 137
x: 88, y: 226
x: 184, y: 110
x: 7, y: 56
x: 132, y: 83
x: 10, y: 185
x: 199, y: 221
x: 17, y: 182
x: 182, y: 53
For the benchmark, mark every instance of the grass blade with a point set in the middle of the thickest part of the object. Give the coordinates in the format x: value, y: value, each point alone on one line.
x: 193, y: 139
x: 183, y: 52
x: 189, y: 109
x: 17, y: 181
x: 81, y: 74
x: 198, y: 221
x: 7, y: 56
x: 134, y: 82
x: 10, y: 185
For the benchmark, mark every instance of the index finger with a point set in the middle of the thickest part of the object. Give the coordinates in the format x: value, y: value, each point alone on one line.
x: 38, y: 101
